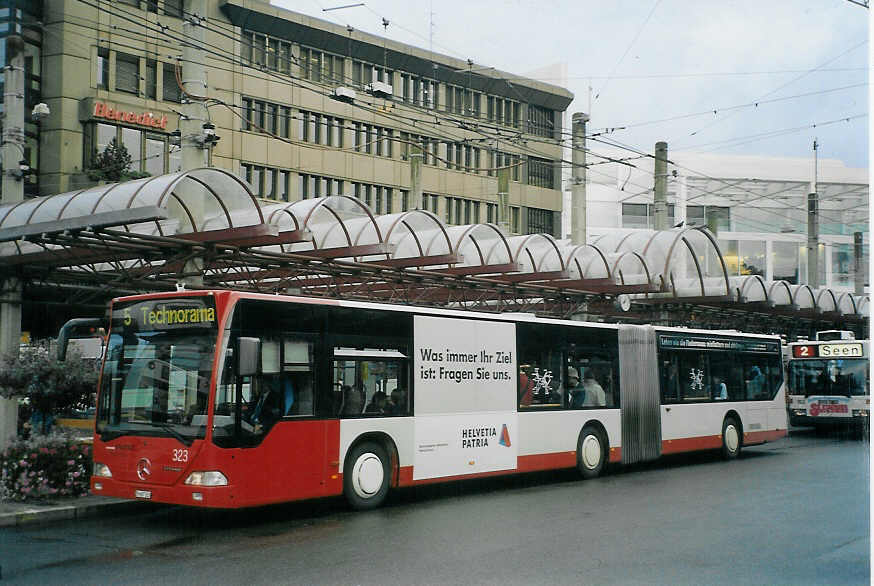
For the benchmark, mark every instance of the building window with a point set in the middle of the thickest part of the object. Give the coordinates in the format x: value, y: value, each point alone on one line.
x: 514, y: 220
x: 540, y: 121
x: 127, y: 73
x: 540, y: 221
x: 151, y: 79
x: 171, y: 90
x: 148, y: 151
x: 541, y: 173
x: 103, y: 68
x: 173, y: 8
x: 155, y: 155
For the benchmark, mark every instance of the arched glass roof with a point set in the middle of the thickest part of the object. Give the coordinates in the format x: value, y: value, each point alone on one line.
x: 684, y: 262
x: 219, y: 197
x: 215, y: 206
x: 781, y: 294
x: 749, y: 289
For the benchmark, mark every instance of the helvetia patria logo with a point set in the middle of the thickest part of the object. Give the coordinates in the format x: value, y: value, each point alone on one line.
x: 480, y: 437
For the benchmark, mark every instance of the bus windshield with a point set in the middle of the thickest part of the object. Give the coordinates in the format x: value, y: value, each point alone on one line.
x: 844, y: 377
x: 157, y: 370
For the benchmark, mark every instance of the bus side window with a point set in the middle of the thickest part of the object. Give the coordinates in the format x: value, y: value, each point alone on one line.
x: 297, y: 376
x: 755, y: 379
x: 670, y: 379
x: 371, y: 388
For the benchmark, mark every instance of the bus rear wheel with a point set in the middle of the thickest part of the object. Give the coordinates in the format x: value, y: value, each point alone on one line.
x: 366, y: 476
x: 590, y: 452
x: 731, y: 438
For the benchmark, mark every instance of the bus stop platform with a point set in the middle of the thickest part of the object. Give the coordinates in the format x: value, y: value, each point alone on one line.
x: 16, y: 514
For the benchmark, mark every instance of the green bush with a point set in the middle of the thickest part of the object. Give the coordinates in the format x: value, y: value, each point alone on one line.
x: 43, y: 467
x: 49, y: 386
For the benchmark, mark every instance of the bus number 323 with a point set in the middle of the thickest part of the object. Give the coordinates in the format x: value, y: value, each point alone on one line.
x: 180, y: 455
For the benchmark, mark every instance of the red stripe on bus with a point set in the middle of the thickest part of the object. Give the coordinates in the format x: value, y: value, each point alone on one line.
x: 760, y: 437
x: 712, y: 442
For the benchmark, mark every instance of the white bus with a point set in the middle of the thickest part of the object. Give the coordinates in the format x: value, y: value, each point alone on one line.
x: 828, y: 381
x: 292, y: 398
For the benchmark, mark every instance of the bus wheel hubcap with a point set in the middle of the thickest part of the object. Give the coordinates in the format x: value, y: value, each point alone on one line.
x: 591, y: 452
x: 367, y: 475
x: 731, y: 439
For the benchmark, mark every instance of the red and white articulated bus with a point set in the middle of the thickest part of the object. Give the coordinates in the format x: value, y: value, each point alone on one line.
x: 828, y: 381
x: 228, y: 399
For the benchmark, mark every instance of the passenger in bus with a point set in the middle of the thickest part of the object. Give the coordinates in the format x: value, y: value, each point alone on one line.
x: 397, y: 404
x: 720, y: 391
x: 526, y: 386
x: 755, y: 383
x: 576, y: 391
x: 288, y: 396
x: 352, y: 401
x: 594, y: 392
x: 377, y: 404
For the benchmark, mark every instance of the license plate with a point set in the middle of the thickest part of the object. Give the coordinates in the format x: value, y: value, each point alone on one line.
x: 143, y: 494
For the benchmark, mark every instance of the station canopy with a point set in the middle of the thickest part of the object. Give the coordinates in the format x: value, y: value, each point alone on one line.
x: 149, y: 234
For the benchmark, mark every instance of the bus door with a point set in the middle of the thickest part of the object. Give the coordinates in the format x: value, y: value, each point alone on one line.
x: 269, y: 418
x: 639, y: 394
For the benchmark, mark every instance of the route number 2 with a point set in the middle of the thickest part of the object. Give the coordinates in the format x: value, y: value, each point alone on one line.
x: 180, y: 455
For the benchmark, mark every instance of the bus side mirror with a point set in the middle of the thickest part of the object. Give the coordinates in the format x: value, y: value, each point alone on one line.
x: 74, y: 329
x: 248, y: 356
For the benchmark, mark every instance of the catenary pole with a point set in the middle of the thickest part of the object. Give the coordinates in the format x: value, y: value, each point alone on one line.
x: 813, y: 226
x: 660, y: 189
x: 12, y: 192
x: 194, y: 122
x: 578, y: 182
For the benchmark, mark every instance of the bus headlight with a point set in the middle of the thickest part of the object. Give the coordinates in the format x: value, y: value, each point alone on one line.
x: 860, y: 413
x: 207, y: 478
x: 101, y: 470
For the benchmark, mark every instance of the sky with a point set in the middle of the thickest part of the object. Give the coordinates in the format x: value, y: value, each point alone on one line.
x: 631, y: 64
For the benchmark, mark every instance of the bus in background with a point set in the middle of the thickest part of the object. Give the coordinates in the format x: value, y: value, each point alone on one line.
x: 828, y: 381
x: 227, y: 399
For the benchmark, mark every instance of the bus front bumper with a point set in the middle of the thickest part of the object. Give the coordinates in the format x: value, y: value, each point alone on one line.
x: 220, y: 497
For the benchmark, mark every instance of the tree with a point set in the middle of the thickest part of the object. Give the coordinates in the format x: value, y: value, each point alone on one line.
x: 50, y: 386
x: 113, y: 165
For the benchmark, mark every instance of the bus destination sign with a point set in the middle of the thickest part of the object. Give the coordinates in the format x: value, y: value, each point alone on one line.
x: 831, y: 350
x: 163, y: 314
x: 701, y: 343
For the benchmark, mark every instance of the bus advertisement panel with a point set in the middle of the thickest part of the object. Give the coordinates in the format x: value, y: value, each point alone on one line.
x: 465, y: 396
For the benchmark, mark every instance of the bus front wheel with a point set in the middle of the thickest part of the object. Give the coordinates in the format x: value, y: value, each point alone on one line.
x: 366, y: 476
x: 731, y: 438
x: 590, y: 452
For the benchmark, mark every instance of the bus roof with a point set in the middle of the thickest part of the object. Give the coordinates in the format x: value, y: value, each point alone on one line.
x: 445, y: 312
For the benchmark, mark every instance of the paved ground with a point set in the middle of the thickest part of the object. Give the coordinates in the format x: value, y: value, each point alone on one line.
x: 791, y: 512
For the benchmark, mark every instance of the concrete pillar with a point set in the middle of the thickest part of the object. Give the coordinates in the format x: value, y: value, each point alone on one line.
x: 813, y: 240
x: 416, y: 158
x: 504, y: 199
x: 858, y: 271
x: 195, y: 153
x: 13, y: 191
x: 578, y: 181
x: 660, y: 197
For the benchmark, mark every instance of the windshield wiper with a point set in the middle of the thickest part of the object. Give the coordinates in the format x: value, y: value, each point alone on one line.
x: 168, y: 427
x: 109, y: 435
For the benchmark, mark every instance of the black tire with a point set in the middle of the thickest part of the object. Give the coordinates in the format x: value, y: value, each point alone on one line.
x: 732, y: 438
x: 591, y: 452
x: 366, y: 476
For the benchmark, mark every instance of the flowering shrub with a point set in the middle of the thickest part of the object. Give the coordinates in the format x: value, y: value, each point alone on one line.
x: 44, y: 466
x: 48, y: 385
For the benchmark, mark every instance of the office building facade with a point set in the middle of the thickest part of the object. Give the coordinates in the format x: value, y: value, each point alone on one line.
x: 280, y: 91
